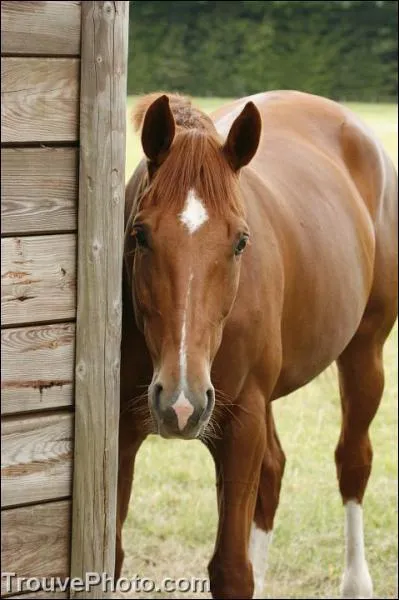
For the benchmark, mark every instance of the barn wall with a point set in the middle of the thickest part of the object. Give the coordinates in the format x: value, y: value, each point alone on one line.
x: 40, y: 72
x: 63, y: 154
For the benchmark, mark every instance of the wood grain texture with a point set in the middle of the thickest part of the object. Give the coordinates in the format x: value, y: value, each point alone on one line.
x: 39, y: 99
x: 37, y: 365
x: 40, y: 28
x: 39, y: 189
x: 38, y: 278
x: 35, y: 541
x: 100, y: 248
x: 41, y: 595
x: 36, y: 459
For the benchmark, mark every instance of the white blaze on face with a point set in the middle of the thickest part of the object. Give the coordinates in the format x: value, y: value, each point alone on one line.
x: 194, y: 213
x: 183, y: 341
x: 259, y: 541
x: 193, y: 216
x: 356, y: 582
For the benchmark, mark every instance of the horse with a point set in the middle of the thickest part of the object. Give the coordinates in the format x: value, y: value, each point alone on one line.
x: 260, y: 247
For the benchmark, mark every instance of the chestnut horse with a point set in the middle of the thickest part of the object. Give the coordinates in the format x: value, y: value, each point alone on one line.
x: 260, y: 246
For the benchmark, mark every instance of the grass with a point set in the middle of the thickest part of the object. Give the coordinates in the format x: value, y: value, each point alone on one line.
x: 171, y: 527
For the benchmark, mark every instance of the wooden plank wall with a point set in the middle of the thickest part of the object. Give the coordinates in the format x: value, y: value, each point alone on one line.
x: 40, y: 77
x: 99, y: 309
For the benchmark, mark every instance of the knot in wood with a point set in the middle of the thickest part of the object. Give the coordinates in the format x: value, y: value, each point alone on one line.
x: 109, y: 8
x: 96, y: 249
x: 81, y: 370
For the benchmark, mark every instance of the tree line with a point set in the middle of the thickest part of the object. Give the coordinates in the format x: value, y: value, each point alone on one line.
x: 346, y: 50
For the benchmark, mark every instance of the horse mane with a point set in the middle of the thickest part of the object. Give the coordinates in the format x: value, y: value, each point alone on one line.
x: 194, y: 161
x: 185, y: 114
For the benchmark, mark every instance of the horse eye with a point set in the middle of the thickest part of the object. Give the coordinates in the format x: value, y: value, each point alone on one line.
x: 240, y: 247
x: 140, y: 236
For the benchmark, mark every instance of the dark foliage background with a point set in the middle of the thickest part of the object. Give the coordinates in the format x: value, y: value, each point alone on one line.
x: 344, y: 50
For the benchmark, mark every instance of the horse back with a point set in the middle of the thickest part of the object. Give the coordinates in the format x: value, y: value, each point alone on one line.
x: 323, y: 191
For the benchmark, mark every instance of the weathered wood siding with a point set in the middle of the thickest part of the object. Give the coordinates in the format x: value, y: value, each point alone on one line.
x: 38, y: 276
x: 51, y: 85
x: 28, y: 384
x: 63, y: 102
x: 39, y: 190
x: 37, y: 540
x: 40, y: 82
x: 99, y: 310
x: 40, y: 28
x: 36, y: 459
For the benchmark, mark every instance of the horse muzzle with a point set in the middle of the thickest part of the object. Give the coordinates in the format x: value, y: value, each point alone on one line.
x: 182, y: 414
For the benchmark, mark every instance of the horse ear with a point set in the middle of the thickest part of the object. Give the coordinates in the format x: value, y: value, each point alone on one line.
x: 243, y: 139
x: 158, y: 130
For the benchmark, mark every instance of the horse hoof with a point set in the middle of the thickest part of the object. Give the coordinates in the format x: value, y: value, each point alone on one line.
x: 356, y: 583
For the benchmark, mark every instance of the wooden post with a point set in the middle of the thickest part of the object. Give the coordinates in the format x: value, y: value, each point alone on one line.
x: 99, y: 302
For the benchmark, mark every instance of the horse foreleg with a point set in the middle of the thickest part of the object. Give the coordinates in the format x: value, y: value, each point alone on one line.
x: 128, y: 447
x: 239, y: 458
x: 271, y: 475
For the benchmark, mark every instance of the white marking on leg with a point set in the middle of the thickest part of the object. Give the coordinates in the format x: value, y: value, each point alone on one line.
x: 356, y: 581
x: 194, y: 213
x: 183, y: 409
x: 183, y: 343
x: 259, y: 541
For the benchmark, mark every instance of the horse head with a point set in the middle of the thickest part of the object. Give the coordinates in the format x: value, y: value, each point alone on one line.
x: 187, y: 235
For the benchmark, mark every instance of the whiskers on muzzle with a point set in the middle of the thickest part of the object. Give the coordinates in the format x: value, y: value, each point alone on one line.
x: 211, y: 433
x: 225, y: 408
x: 138, y: 407
x: 212, y: 430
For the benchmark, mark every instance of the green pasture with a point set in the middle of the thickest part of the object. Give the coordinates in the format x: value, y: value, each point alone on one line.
x: 170, y: 530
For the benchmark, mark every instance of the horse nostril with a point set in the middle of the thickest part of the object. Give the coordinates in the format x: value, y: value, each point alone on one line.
x: 210, y: 395
x: 157, y: 396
